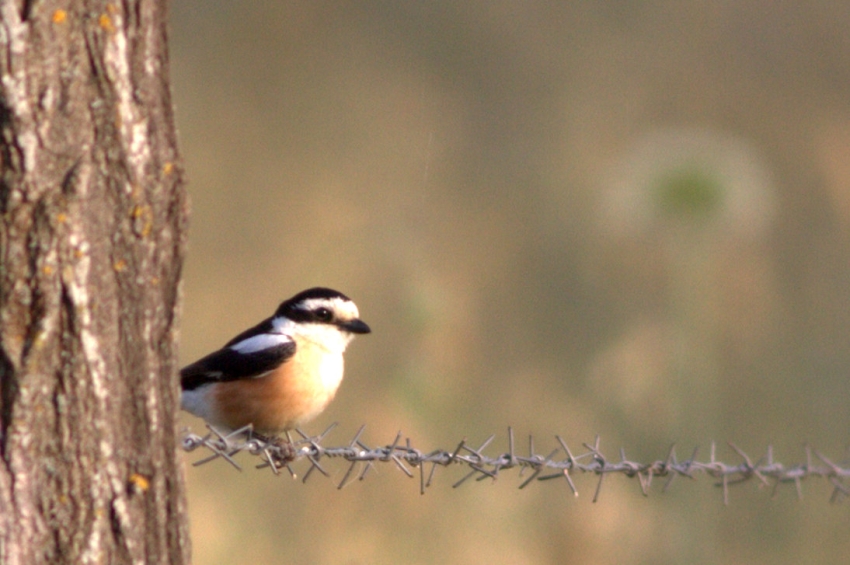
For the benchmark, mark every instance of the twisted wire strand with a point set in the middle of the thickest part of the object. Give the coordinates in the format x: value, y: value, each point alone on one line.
x: 278, y: 454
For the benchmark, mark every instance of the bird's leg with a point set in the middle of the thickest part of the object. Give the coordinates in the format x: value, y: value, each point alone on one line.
x: 279, y: 450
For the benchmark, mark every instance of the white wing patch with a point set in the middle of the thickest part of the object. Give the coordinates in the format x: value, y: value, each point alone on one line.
x: 260, y: 342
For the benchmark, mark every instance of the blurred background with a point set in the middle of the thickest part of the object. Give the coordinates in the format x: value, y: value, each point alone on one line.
x: 623, y: 218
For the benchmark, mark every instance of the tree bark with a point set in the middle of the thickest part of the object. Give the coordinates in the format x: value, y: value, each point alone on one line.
x: 91, y: 247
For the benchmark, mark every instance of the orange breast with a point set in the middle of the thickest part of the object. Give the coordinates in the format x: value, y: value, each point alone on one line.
x: 285, y: 398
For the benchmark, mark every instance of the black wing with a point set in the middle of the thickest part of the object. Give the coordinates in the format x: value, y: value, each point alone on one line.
x: 263, y: 327
x: 228, y: 364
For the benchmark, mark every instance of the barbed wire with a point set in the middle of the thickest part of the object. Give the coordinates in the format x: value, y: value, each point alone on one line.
x: 279, y: 454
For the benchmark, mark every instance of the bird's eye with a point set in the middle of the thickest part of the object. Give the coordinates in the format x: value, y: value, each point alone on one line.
x: 323, y: 315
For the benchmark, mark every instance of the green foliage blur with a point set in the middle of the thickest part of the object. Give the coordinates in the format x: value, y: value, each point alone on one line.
x: 623, y: 218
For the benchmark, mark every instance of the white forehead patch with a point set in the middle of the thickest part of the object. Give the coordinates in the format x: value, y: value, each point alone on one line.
x: 342, y: 309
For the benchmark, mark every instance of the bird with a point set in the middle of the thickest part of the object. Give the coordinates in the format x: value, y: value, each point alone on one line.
x: 279, y: 374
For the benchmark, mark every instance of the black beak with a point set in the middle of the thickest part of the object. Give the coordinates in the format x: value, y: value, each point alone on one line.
x: 356, y: 327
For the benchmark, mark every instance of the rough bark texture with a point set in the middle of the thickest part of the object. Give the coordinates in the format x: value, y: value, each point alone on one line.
x: 91, y: 247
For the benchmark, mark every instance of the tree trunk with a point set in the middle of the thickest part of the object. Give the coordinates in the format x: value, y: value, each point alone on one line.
x: 91, y: 247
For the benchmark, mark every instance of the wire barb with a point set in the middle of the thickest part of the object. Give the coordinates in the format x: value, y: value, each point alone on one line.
x: 279, y: 453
